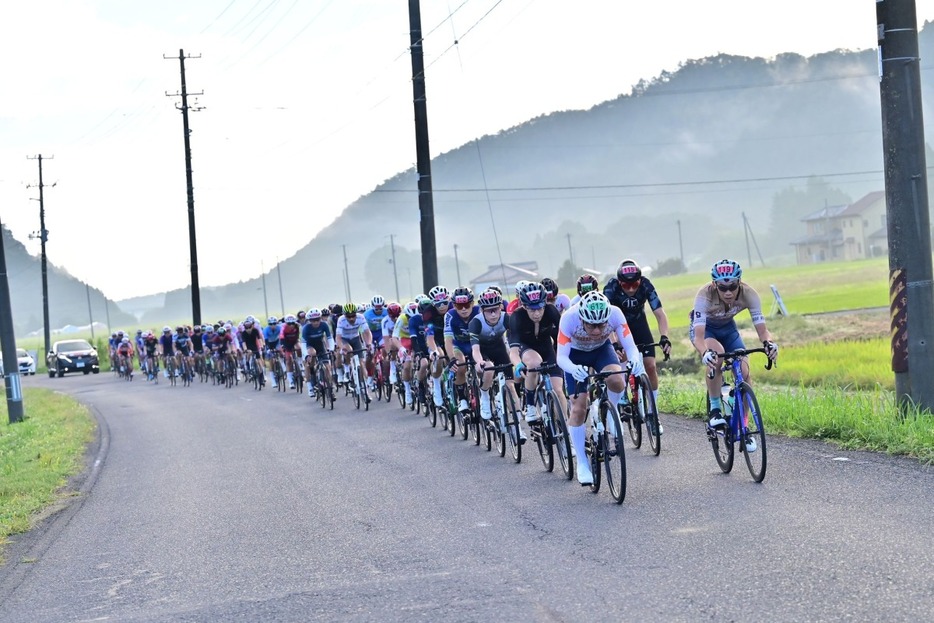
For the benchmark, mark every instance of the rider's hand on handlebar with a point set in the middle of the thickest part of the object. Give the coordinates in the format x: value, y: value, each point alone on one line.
x: 580, y: 373
x: 710, y: 357
x: 771, y: 349
x: 665, y: 344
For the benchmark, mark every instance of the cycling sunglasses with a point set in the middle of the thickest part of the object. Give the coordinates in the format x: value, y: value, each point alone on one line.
x: 727, y: 287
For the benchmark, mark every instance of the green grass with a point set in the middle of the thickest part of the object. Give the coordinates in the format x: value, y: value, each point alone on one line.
x: 38, y: 455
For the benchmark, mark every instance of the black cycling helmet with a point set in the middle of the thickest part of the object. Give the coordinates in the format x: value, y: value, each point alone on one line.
x: 628, y: 271
x: 586, y: 283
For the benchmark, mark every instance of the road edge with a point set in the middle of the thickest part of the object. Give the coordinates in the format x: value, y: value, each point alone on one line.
x: 24, y: 551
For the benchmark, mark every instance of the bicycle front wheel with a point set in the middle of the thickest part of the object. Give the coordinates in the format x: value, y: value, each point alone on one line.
x: 752, y: 439
x: 721, y: 440
x: 562, y: 439
x: 614, y: 452
x: 512, y: 426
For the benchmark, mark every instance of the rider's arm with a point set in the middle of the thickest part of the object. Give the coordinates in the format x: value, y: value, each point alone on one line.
x: 623, y: 334
x: 662, y: 318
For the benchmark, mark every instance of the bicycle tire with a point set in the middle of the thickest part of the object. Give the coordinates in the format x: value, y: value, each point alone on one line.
x: 400, y: 395
x: 754, y: 429
x: 721, y: 440
x: 596, y: 461
x: 512, y: 426
x: 498, y: 423
x: 543, y: 438
x: 649, y: 412
x: 559, y: 432
x: 614, y: 452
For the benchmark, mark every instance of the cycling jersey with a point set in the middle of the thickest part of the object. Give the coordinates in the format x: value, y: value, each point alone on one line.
x: 709, y: 310
x: 318, y: 337
x: 182, y: 344
x: 575, y: 343
x: 219, y: 343
x: 348, y: 330
x: 522, y: 329
x: 125, y: 349
x: 513, y: 305
x: 197, y: 342
x: 434, y: 325
x: 491, y: 340
x: 375, y: 321
x: 167, y: 341
x: 271, y: 336
x: 562, y: 302
x: 150, y: 344
x: 417, y: 332
x: 288, y: 336
x: 388, y: 327
x: 456, y: 328
x: 632, y: 305
x: 250, y: 338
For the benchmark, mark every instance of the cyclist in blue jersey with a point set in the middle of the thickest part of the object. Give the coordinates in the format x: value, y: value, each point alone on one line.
x: 417, y: 333
x: 316, y: 334
x: 167, y: 344
x: 434, y: 318
x: 374, y: 317
x: 457, y: 340
x: 271, y: 340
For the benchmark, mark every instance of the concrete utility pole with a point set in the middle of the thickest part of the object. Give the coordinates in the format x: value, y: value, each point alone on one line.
x: 43, y: 235
x: 346, y: 274
x: 423, y: 154
x: 14, y: 390
x: 911, y: 291
x: 570, y: 252
x: 87, y: 290
x: 281, y: 295
x: 193, y: 247
x: 457, y: 265
x: 395, y: 273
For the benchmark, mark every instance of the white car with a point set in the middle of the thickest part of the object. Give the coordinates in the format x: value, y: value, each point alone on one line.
x: 27, y: 365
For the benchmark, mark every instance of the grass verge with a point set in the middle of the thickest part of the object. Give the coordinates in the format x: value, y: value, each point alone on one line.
x: 867, y: 419
x: 38, y: 455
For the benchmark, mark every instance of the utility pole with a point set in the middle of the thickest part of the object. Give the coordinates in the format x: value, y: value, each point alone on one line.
x: 43, y: 238
x: 265, y: 301
x: 281, y: 296
x: 107, y: 312
x: 423, y: 154
x: 911, y: 291
x: 457, y: 265
x: 87, y: 290
x: 14, y: 390
x: 570, y: 252
x: 193, y: 247
x: 346, y: 275
x: 395, y: 273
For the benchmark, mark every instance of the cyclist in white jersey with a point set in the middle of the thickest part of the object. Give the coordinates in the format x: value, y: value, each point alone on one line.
x: 713, y: 327
x: 352, y: 329
x: 584, y: 343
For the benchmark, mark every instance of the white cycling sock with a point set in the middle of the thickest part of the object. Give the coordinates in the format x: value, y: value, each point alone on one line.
x: 655, y: 396
x: 578, y: 433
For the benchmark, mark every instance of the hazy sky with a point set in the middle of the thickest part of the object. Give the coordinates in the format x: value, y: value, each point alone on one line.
x: 307, y: 106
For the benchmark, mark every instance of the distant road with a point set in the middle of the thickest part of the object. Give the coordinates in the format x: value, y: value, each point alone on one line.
x: 207, y: 504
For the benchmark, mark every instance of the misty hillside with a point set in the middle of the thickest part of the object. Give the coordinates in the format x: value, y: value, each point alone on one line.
x: 718, y: 138
x: 68, y: 297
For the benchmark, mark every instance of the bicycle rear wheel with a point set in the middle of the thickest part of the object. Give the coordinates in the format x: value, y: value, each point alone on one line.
x: 649, y: 412
x: 721, y: 440
x: 752, y: 441
x: 634, y: 422
x: 543, y: 437
x: 594, y: 449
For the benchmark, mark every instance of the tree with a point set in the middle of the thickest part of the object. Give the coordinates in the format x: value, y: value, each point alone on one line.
x: 671, y: 266
x: 568, y: 274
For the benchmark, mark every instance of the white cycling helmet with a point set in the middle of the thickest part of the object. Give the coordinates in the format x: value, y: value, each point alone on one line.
x: 377, y: 301
x: 313, y: 314
x: 594, y: 308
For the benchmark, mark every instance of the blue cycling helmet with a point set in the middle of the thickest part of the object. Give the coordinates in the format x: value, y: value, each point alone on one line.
x: 726, y: 271
x: 533, y: 296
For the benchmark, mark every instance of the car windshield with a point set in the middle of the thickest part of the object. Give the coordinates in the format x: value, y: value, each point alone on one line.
x: 21, y: 352
x: 70, y: 347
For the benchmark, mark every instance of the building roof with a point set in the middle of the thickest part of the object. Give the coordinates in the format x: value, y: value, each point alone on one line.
x: 864, y: 203
x: 508, y: 274
x: 825, y: 213
x: 834, y: 237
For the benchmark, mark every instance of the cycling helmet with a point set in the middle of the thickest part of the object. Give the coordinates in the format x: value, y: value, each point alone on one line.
x: 179, y: 329
x: 725, y: 271
x: 628, y: 271
x: 208, y: 329
x: 361, y: 307
x: 424, y: 305
x: 411, y: 309
x: 272, y: 320
x: 325, y: 312
x: 164, y: 330
x: 229, y: 326
x: 300, y: 314
x: 196, y: 328
x: 496, y: 289
x: 439, y: 295
x: 594, y: 308
x: 313, y: 314
x: 337, y: 309
x: 521, y: 285
x: 551, y: 288
x: 125, y: 340
x: 377, y: 301
x: 290, y: 319
x: 586, y: 283
x: 120, y: 332
x: 394, y: 310
x: 533, y: 296
x: 490, y: 298
x: 139, y: 332
x: 462, y: 296
x: 349, y: 308
x: 113, y: 335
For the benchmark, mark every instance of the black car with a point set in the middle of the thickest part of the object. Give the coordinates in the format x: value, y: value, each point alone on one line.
x: 72, y: 356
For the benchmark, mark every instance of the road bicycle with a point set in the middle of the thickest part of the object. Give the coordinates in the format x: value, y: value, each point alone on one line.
x: 467, y: 420
x: 745, y: 423
x: 551, y: 434
x: 324, y: 388
x: 642, y: 408
x: 503, y: 427
x: 358, y: 381
x: 605, y: 446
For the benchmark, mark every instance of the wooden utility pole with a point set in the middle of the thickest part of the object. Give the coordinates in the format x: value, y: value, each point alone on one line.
x: 43, y: 236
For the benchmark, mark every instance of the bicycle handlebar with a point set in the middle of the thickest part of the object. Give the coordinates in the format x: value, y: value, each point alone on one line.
x: 658, y: 344
x: 545, y: 367
x: 742, y: 352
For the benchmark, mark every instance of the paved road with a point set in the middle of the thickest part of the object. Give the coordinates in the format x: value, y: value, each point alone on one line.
x: 206, y: 504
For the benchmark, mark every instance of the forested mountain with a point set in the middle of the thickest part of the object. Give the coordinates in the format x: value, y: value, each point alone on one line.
x: 68, y: 297
x: 675, y: 165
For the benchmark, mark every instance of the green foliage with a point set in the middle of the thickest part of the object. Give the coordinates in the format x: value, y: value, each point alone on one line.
x: 568, y: 274
x: 671, y: 266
